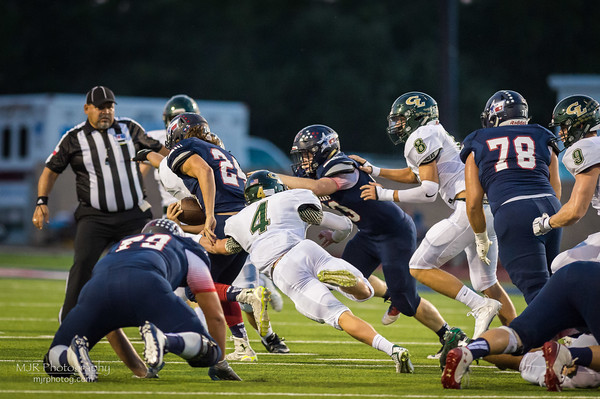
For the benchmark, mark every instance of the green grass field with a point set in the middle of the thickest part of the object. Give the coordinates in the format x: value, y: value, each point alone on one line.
x: 324, y: 362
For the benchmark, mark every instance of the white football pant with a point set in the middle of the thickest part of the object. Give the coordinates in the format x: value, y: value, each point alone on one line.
x: 449, y: 237
x: 296, y: 276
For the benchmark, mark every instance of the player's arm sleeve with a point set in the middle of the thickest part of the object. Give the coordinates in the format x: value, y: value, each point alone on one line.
x: 310, y: 213
x: 232, y: 246
x: 426, y: 192
x: 198, y: 275
x: 341, y: 225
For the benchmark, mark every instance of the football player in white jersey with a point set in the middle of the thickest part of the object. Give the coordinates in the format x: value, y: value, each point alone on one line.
x: 272, y: 229
x: 578, y: 117
x: 433, y: 162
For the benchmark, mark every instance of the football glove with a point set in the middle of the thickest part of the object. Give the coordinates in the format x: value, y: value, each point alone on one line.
x: 541, y: 225
x: 483, y: 246
x: 142, y: 155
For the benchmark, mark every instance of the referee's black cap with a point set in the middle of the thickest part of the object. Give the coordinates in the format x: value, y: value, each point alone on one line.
x: 99, y: 95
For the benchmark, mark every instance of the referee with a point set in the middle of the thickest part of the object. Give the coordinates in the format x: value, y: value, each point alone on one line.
x: 109, y: 185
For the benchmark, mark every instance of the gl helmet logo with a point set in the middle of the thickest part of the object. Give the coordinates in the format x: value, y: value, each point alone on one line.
x: 416, y: 101
x: 575, y: 109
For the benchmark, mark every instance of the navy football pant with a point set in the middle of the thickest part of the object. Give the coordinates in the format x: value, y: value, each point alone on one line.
x: 526, y: 257
x: 393, y: 251
x: 127, y: 299
x: 568, y: 300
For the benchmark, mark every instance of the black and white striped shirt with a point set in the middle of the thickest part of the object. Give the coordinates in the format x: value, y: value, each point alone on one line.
x: 106, y: 178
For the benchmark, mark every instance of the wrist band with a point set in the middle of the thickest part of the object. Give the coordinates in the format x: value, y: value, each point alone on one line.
x: 374, y: 169
x: 547, y: 224
x: 384, y: 194
x: 41, y: 200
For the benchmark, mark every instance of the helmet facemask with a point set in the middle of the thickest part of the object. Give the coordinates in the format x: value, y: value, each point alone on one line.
x: 576, y: 116
x: 409, y: 112
x: 313, y: 146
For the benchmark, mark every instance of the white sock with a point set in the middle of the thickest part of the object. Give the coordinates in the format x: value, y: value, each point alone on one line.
x: 192, y: 342
x: 469, y: 297
x: 382, y: 344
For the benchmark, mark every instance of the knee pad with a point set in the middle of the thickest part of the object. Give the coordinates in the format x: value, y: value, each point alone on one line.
x: 514, y: 342
x: 209, y: 354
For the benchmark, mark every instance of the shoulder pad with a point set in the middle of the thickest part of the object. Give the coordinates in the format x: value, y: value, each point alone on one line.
x: 341, y: 167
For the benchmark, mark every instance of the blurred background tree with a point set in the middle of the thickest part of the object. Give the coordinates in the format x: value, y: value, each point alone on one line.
x: 299, y: 62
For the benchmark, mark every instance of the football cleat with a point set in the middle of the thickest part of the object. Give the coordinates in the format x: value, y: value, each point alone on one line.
x: 484, y: 315
x: 242, y: 351
x: 258, y: 298
x: 557, y: 358
x: 390, y: 315
x: 154, y: 345
x: 401, y: 358
x: 79, y: 358
x: 457, y: 365
x: 340, y: 278
x: 453, y: 338
x: 222, y: 371
x: 274, y: 344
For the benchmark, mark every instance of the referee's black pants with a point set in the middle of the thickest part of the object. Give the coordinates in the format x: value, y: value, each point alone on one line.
x: 96, y: 231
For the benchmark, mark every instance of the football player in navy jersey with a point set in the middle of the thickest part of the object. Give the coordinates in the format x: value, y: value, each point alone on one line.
x: 568, y: 300
x: 214, y: 176
x: 386, y: 234
x: 150, y: 264
x: 515, y: 163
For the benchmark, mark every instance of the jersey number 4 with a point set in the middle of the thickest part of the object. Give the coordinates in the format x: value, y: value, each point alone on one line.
x: 260, y: 221
x: 524, y: 148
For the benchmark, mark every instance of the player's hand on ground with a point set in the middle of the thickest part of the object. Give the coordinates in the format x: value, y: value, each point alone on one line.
x: 209, y: 229
x: 369, y: 191
x: 483, y: 244
x: 222, y: 371
x: 173, y: 211
x: 541, y: 225
x: 327, y: 238
x: 41, y: 216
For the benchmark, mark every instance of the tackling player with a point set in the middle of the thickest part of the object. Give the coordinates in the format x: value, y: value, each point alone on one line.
x: 272, y: 228
x: 516, y: 165
x: 433, y: 162
x: 578, y: 117
x: 386, y: 234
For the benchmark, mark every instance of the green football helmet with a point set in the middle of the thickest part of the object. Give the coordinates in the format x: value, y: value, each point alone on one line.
x: 409, y: 112
x: 578, y: 114
x: 178, y: 105
x: 262, y: 184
